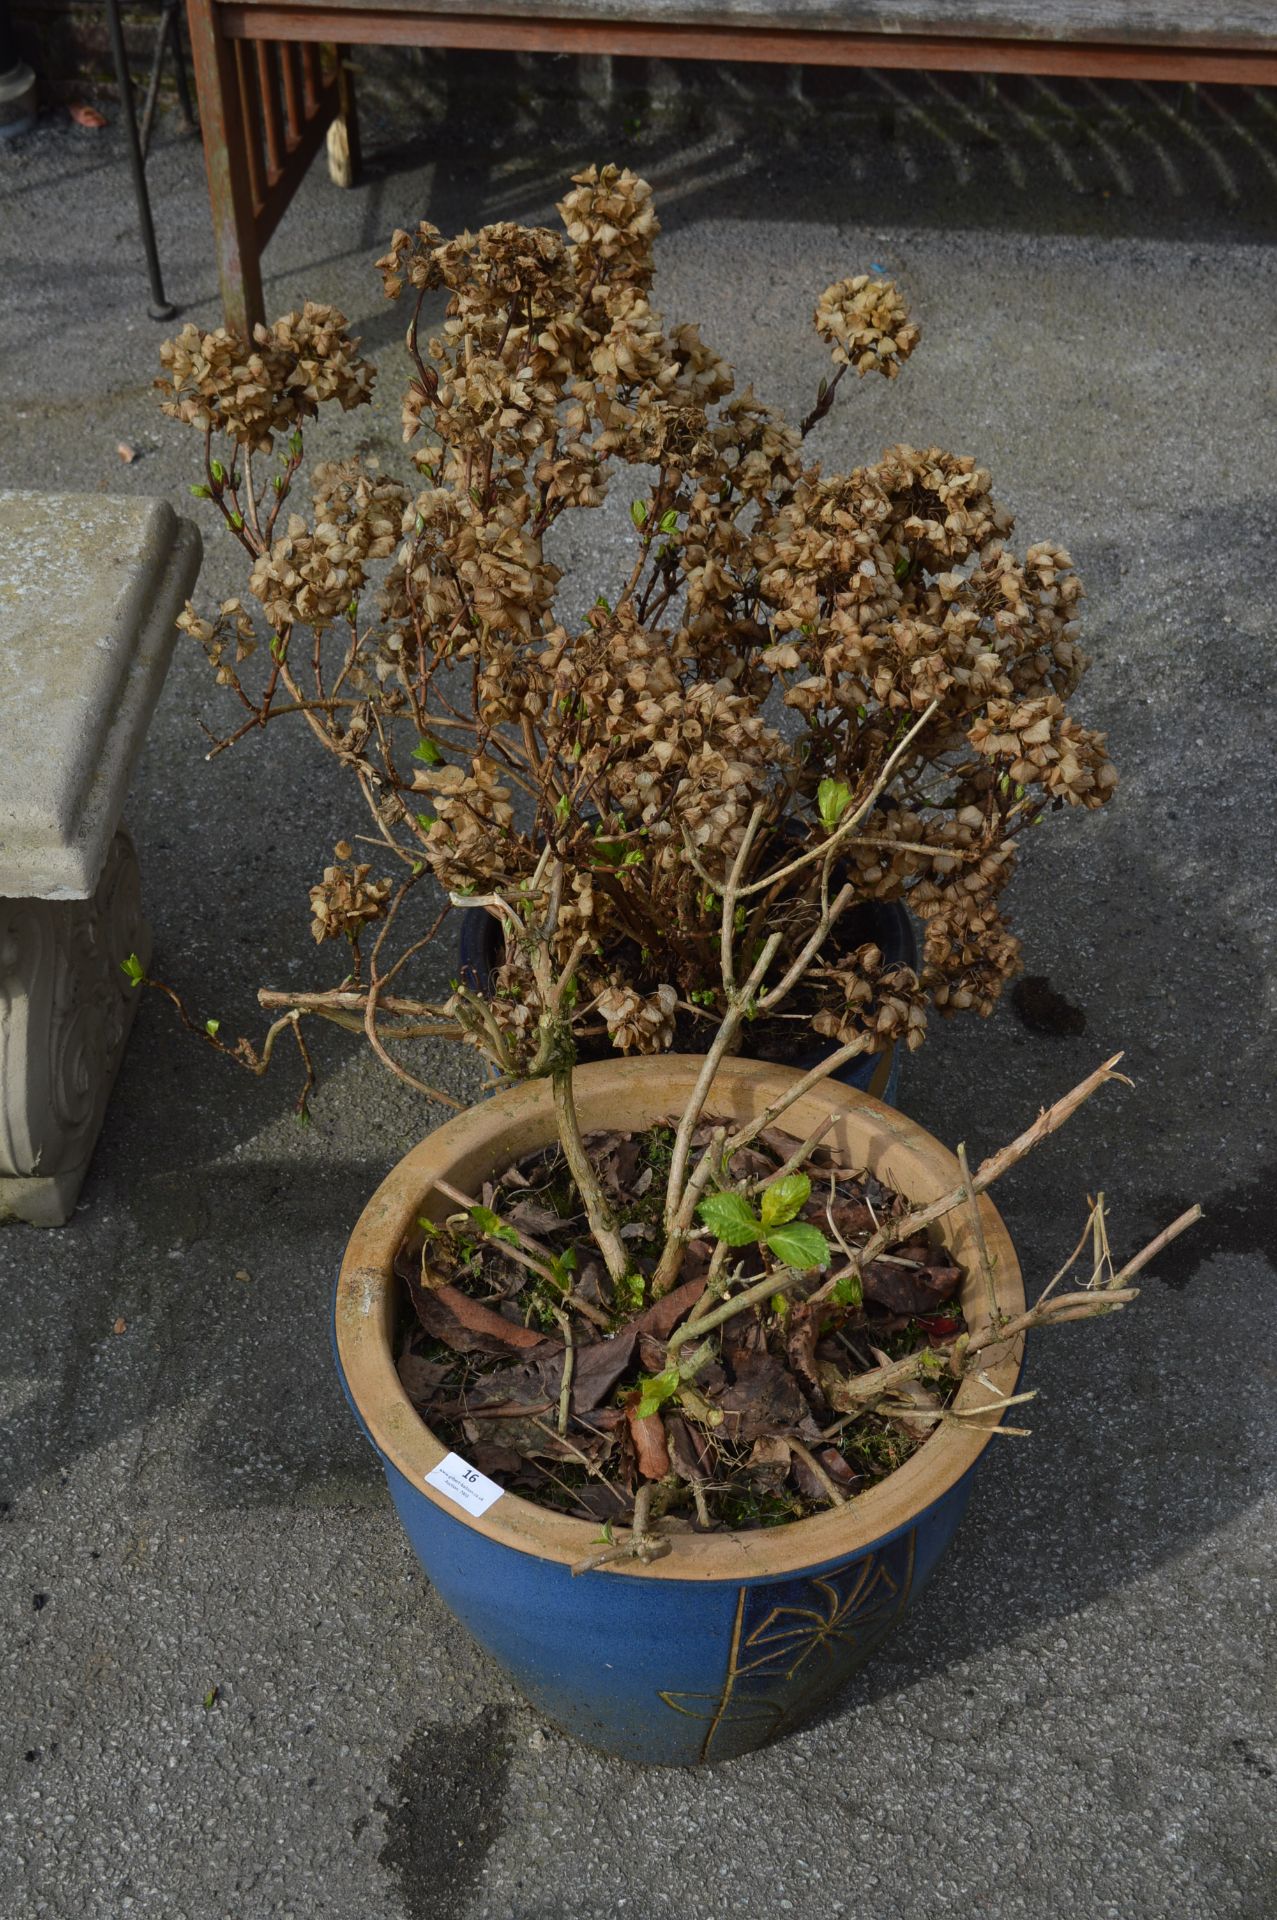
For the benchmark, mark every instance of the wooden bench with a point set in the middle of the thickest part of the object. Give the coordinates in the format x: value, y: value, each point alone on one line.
x: 268, y: 99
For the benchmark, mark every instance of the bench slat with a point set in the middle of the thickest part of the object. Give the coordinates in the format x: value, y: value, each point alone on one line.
x: 1233, y: 24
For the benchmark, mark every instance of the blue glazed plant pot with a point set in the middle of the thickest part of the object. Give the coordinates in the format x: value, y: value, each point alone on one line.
x: 731, y: 1639
x: 884, y: 922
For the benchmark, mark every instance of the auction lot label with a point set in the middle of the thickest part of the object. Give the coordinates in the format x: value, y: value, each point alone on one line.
x: 464, y: 1484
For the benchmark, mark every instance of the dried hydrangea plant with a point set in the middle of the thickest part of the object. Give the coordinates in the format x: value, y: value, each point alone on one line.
x: 612, y: 772
x: 803, y: 690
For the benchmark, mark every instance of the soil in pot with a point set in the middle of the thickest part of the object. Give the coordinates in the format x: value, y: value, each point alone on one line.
x: 487, y: 1339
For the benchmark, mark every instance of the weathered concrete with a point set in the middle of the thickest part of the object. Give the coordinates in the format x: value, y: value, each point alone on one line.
x: 65, y: 1013
x: 1077, y: 1719
x: 89, y: 589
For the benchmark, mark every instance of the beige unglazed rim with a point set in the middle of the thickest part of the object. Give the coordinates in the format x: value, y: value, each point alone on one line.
x: 637, y: 1094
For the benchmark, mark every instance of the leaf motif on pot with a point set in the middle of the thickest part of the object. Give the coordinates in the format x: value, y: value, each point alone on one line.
x: 796, y: 1641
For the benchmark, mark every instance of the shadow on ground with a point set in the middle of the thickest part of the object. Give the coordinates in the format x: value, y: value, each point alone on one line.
x: 921, y: 150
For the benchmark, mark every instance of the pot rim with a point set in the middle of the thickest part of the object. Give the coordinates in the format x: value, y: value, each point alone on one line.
x: 638, y: 1092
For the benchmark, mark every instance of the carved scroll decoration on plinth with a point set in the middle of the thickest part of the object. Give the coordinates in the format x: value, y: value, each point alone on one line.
x: 65, y: 1009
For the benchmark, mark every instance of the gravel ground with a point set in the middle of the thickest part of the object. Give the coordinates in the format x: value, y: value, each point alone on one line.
x: 1078, y: 1715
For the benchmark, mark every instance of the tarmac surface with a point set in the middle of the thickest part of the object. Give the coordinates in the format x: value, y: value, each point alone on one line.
x: 225, y: 1687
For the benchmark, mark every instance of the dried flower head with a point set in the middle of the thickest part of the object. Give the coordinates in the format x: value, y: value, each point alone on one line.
x: 867, y: 325
x: 252, y: 391
x: 345, y: 900
x: 638, y: 1023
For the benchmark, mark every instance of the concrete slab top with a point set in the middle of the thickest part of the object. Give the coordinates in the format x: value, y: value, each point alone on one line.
x: 90, y: 587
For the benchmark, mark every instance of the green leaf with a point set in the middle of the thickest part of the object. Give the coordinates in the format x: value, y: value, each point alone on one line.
x: 562, y: 807
x: 799, y: 1245
x: 779, y: 1306
x: 730, y: 1217
x: 628, y: 1292
x: 562, y: 1266
x: 276, y: 647
x: 491, y: 1223
x: 217, y: 470
x: 427, y: 750
x: 833, y: 799
x: 784, y: 1198
x: 848, y: 1291
x: 656, y: 1388
x: 211, y: 1698
x: 211, y: 1028
x: 638, y: 512
x: 902, y: 566
x: 425, y: 821
x: 669, y: 521
x: 134, y: 970
x: 428, y: 1227
x: 237, y: 519
x: 202, y: 493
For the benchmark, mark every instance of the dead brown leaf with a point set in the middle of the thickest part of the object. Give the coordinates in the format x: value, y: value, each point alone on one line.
x: 648, y: 1435
x: 769, y: 1461
x: 528, y: 1217
x: 467, y: 1327
x: 911, y: 1290
x: 596, y: 1371
x: 761, y: 1398
x: 421, y: 1379
x: 691, y: 1450
x: 664, y: 1314
x: 809, y: 1484
x: 801, y: 1334
x: 921, y: 1397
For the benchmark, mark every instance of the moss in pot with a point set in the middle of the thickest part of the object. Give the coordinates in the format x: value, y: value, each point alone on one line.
x: 660, y: 858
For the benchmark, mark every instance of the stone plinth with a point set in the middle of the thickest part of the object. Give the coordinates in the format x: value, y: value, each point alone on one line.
x: 89, y: 591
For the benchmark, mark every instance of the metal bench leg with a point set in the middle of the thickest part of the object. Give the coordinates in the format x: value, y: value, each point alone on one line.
x: 161, y: 307
x: 235, y: 235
